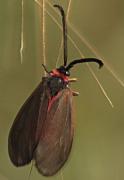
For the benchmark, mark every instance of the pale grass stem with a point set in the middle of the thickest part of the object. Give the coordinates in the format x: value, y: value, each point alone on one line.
x: 22, y: 30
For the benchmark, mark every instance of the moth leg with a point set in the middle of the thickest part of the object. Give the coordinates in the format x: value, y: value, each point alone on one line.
x: 74, y: 93
x: 72, y: 79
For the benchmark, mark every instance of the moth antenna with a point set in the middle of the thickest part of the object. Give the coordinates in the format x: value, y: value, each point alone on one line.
x: 45, y: 69
x: 85, y: 60
x: 65, y: 49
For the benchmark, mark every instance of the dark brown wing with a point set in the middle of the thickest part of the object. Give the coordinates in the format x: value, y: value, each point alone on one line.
x: 22, y: 137
x: 57, y: 135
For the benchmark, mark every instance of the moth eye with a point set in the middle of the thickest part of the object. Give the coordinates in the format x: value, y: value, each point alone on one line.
x: 67, y: 73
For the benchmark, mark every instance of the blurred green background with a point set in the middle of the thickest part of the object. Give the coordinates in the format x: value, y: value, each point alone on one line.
x: 98, y: 148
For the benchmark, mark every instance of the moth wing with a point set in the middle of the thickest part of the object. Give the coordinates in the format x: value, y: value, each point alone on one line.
x: 57, y: 135
x: 22, y: 137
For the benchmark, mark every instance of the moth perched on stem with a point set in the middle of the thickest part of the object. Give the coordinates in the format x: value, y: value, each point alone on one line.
x: 43, y: 128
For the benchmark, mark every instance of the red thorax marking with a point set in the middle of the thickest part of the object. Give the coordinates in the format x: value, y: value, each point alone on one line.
x: 56, y: 73
x: 52, y: 100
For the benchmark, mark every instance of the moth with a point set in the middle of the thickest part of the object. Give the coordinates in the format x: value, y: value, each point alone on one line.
x: 43, y: 129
